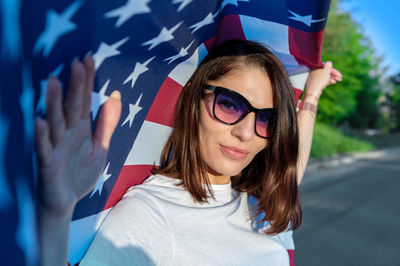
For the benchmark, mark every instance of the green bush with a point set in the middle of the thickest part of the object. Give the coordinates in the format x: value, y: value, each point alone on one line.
x: 330, y: 141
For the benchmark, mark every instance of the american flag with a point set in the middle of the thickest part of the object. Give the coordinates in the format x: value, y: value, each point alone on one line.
x: 145, y: 49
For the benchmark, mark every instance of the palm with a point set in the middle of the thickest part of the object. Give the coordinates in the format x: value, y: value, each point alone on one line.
x: 322, y: 77
x: 71, y: 158
x: 73, y: 170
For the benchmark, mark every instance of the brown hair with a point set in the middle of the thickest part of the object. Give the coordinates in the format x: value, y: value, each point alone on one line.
x: 271, y: 175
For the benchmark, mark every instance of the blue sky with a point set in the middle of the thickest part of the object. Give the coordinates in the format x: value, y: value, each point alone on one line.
x: 381, y: 22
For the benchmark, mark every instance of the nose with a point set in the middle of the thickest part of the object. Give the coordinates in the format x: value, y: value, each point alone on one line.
x: 244, y: 130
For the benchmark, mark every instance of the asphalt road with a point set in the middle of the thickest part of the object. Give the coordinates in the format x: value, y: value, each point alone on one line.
x: 351, y: 211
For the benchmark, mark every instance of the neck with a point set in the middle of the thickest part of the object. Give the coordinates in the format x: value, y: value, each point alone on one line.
x: 218, y: 179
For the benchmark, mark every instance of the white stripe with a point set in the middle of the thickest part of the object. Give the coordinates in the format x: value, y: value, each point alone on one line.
x: 182, y: 72
x: 148, y: 144
x: 299, y: 80
x: 82, y: 234
x: 286, y: 238
x: 287, y: 60
x: 274, y: 35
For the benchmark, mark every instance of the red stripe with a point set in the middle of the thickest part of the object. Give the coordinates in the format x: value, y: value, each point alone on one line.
x: 291, y: 256
x: 306, y: 47
x: 229, y: 28
x: 130, y: 175
x: 162, y: 109
x: 297, y: 94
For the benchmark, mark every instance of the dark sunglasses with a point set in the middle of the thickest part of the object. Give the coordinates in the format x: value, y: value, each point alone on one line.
x: 230, y: 107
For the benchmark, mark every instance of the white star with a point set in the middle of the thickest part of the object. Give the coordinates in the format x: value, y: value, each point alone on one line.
x: 5, y: 194
x: 11, y: 35
x: 103, y: 178
x: 304, y: 19
x: 183, y: 3
x: 98, y: 99
x: 207, y: 20
x: 57, y: 25
x: 133, y: 110
x: 232, y: 2
x: 137, y: 71
x: 131, y: 8
x: 164, y: 36
x: 105, y: 51
x: 183, y: 52
x: 26, y: 102
x: 26, y: 236
x: 41, y: 105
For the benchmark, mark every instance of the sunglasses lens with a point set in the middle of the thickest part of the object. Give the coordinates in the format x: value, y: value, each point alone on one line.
x: 263, y: 127
x: 228, y: 107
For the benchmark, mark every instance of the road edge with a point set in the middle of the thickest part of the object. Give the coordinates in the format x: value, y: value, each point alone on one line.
x: 348, y: 158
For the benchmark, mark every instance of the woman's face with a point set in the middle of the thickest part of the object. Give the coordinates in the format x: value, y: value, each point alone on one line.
x: 228, y: 149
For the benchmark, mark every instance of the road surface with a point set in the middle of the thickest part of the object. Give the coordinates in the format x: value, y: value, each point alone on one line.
x: 351, y: 211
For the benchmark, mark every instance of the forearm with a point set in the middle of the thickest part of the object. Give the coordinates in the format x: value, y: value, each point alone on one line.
x: 317, y: 80
x: 306, y: 121
x: 53, y: 238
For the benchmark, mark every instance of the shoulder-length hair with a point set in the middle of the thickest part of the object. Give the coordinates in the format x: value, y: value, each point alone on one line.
x: 271, y: 175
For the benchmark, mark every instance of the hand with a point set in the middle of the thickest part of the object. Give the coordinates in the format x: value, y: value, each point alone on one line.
x: 318, y: 79
x: 70, y: 158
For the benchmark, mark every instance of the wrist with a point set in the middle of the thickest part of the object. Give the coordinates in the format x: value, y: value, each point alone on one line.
x: 310, y: 98
x: 53, y: 232
x: 53, y: 218
x: 311, y: 108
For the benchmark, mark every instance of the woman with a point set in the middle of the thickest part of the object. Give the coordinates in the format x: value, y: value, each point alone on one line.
x: 235, y: 135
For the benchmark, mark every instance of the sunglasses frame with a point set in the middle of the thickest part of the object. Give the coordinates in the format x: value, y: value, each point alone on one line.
x: 217, y: 90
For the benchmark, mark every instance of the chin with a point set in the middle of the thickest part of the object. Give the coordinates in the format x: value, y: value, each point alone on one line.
x: 229, y: 168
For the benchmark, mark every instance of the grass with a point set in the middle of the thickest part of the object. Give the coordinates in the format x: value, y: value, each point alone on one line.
x: 330, y: 141
x: 380, y: 141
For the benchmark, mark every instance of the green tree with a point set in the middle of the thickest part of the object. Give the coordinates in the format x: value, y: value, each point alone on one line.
x: 354, y: 100
x: 394, y: 102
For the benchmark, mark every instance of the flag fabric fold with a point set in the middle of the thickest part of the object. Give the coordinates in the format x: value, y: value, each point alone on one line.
x: 147, y: 50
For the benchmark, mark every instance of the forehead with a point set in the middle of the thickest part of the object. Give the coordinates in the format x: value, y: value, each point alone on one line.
x: 251, y: 82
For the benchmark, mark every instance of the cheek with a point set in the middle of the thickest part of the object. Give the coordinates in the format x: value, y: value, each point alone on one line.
x: 209, y: 127
x: 211, y: 133
x: 260, y: 145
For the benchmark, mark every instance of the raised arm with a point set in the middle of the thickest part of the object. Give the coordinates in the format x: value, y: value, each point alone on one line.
x: 317, y: 80
x: 70, y: 157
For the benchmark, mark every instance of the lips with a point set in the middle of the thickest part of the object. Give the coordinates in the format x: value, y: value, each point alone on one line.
x: 234, y: 153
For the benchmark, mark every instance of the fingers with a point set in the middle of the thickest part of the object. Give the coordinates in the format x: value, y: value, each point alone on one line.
x: 88, y: 63
x: 108, y: 120
x: 54, y: 113
x: 335, y: 74
x: 43, y: 144
x: 74, y: 101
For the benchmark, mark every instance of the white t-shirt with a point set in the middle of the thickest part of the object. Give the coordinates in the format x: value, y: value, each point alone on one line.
x: 158, y: 223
